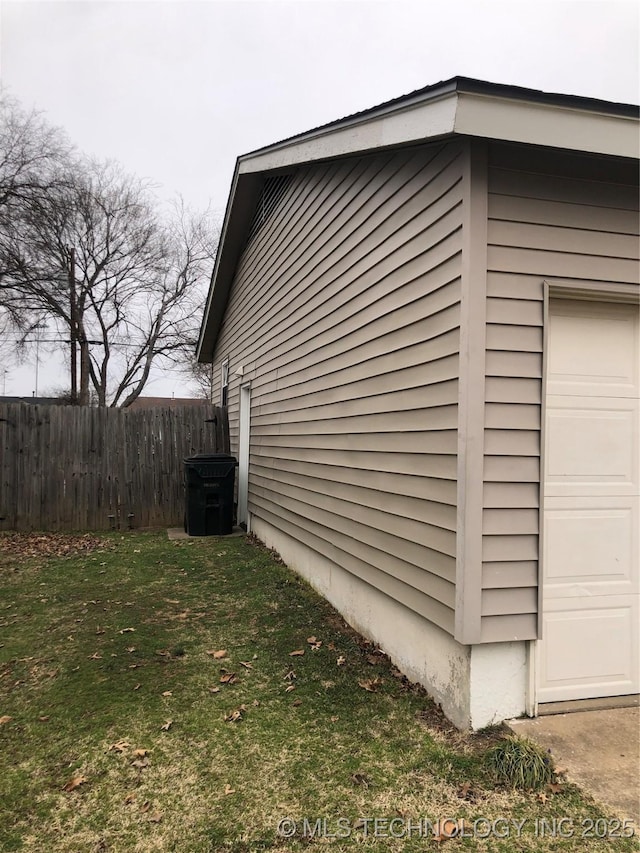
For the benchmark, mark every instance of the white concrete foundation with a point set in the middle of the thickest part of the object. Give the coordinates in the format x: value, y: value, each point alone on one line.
x: 475, y: 685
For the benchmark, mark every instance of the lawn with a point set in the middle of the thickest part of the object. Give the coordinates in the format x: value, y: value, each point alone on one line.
x: 197, y: 696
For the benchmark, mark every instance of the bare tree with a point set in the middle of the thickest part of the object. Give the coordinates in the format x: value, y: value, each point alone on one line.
x: 87, y: 250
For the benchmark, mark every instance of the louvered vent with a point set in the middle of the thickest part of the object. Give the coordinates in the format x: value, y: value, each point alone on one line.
x: 271, y: 196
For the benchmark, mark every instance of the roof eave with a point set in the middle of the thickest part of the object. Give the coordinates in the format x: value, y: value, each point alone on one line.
x: 456, y: 107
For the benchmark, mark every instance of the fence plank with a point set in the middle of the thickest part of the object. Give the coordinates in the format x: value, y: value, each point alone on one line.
x: 71, y: 468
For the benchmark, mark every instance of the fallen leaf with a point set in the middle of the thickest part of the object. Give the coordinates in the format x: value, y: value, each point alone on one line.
x: 542, y: 797
x: 74, y: 783
x: 289, y: 688
x: 255, y: 703
x: 166, y: 726
x: 332, y: 647
x: 140, y: 764
x: 167, y: 693
x: 127, y: 631
x: 164, y: 653
x: 370, y: 684
x: 5, y: 719
x: 131, y: 649
x: 555, y: 787
x: 120, y: 746
x: 443, y: 830
x: 396, y: 673
x: 360, y: 779
x: 140, y: 753
x: 341, y: 661
x: 296, y: 703
x: 156, y: 817
x: 99, y: 630
x: 562, y: 771
x: 221, y: 653
x: 228, y: 790
x: 228, y: 678
x: 44, y: 719
x: 297, y: 653
x: 214, y: 689
x: 312, y: 640
x: 235, y: 715
x: 290, y: 676
x: 95, y: 656
x: 130, y: 798
x: 334, y: 719
x: 137, y: 686
x: 465, y: 790
x: 246, y: 664
x: 145, y: 806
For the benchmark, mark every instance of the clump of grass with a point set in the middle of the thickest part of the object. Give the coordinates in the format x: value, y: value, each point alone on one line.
x: 521, y: 763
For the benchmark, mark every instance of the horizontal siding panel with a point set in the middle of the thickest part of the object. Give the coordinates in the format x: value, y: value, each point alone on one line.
x: 511, y: 469
x: 347, y: 368
x: 496, y: 602
x: 510, y: 520
x: 508, y: 494
x: 418, y: 464
x: 500, y: 629
x: 440, y: 393
x: 388, y: 484
x: 427, y: 464
x: 512, y: 442
x: 403, y: 328
x: 414, y: 599
x: 563, y: 239
x: 440, y: 415
x: 510, y: 286
x: 372, y: 410
x: 510, y: 575
x: 512, y: 390
x: 511, y: 547
x: 353, y: 517
x: 515, y: 415
x: 566, y: 265
x: 514, y: 338
x: 404, y: 506
x: 413, y: 420
x: 556, y: 188
x: 607, y: 220
x: 514, y: 312
x: 434, y: 443
x: 505, y: 363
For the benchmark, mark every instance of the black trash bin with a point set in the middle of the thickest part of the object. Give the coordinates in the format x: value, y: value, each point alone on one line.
x: 209, y: 481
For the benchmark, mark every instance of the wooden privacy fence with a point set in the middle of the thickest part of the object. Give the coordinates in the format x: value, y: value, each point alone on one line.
x: 81, y: 468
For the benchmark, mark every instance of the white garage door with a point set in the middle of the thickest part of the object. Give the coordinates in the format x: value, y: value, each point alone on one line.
x: 591, y: 557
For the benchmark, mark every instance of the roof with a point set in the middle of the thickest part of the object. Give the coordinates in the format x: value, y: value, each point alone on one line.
x: 460, y: 106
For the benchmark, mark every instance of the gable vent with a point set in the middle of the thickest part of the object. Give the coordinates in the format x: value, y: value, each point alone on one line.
x: 272, y: 194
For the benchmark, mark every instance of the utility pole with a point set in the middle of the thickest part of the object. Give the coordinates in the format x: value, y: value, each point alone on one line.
x: 73, y: 326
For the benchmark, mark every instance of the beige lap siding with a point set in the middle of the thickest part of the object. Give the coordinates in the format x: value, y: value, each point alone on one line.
x: 344, y: 313
x: 552, y: 216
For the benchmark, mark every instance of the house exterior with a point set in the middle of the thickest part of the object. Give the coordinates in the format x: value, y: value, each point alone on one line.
x: 424, y: 320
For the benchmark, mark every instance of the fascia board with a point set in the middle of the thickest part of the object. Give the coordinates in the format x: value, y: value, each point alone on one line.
x: 547, y: 124
x: 404, y: 125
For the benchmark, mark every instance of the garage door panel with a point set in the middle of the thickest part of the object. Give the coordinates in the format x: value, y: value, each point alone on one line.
x: 607, y: 365
x: 591, y: 445
x: 590, y: 544
x: 598, y: 657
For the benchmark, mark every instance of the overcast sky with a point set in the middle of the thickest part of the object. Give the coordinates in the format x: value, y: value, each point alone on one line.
x: 177, y: 90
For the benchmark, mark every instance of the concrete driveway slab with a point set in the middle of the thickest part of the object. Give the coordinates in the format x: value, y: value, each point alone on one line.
x: 601, y: 751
